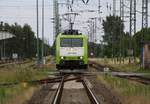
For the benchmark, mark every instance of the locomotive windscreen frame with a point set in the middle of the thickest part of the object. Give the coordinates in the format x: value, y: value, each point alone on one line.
x: 71, y: 42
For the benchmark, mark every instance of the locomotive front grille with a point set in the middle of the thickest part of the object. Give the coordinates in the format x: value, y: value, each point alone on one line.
x: 72, y: 62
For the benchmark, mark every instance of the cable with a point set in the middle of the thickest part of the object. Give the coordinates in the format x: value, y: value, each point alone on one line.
x: 136, y: 10
x: 85, y: 2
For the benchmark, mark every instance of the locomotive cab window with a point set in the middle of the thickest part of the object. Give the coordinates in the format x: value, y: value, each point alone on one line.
x: 71, y: 42
x: 65, y: 42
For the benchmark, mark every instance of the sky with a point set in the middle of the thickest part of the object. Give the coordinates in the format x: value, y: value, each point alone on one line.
x: 24, y: 11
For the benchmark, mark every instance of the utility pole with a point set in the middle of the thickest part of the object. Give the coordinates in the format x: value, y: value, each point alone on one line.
x: 38, y: 51
x: 144, y: 25
x: 99, y: 17
x: 43, y: 56
x: 132, y: 17
x: 144, y: 14
x: 3, y: 41
x: 114, y: 7
x: 99, y: 20
x: 4, y: 44
x: 90, y: 30
x: 92, y: 37
x: 56, y: 19
x: 132, y: 25
x: 94, y: 32
x: 93, y: 23
x: 122, y: 10
x: 95, y: 36
x: 99, y: 6
x: 121, y: 32
x: 3, y: 38
x: 114, y: 14
x: 1, y: 46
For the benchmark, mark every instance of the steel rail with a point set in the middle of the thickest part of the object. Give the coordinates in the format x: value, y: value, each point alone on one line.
x: 140, y: 79
x: 42, y: 81
x: 58, y: 94
x: 90, y: 94
x: 36, y: 82
x: 13, y: 63
x: 143, y: 80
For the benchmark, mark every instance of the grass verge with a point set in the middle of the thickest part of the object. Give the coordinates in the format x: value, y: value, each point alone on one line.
x: 126, y: 67
x: 19, y: 73
x: 132, y: 92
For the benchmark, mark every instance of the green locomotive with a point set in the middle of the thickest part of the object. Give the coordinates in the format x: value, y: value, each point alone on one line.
x: 71, y: 51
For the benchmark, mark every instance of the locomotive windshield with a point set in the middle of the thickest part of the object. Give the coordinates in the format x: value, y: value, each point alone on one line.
x: 71, y: 42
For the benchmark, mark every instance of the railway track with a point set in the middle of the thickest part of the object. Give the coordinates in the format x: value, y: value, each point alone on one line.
x: 59, y: 91
x: 90, y: 94
x: 130, y: 76
x: 139, y: 79
x: 13, y: 63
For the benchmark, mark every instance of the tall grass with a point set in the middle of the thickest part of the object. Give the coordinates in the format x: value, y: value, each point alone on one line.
x: 127, y: 88
x: 134, y: 67
x: 2, y: 95
x: 17, y: 73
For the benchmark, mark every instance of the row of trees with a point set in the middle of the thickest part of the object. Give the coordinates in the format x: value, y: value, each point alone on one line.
x: 23, y: 43
x: 117, y: 43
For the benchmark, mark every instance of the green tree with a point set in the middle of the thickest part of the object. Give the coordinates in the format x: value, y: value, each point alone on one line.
x: 24, y: 41
x: 142, y: 35
x: 29, y: 41
x: 113, y: 35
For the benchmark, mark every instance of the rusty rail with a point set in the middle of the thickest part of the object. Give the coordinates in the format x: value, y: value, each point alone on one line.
x: 58, y: 94
x: 137, y: 78
x: 90, y: 94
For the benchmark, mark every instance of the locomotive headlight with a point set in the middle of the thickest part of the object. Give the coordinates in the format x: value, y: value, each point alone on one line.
x: 62, y: 57
x: 81, y: 57
x: 71, y: 49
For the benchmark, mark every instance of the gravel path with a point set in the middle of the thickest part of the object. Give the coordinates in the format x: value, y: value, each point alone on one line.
x: 42, y: 96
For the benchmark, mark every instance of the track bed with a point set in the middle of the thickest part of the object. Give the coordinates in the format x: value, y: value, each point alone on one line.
x: 75, y: 92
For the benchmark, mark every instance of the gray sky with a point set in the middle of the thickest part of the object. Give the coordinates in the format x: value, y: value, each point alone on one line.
x: 24, y: 11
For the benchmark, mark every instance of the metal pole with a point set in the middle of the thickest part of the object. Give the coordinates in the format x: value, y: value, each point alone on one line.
x: 95, y: 31
x: 132, y: 25
x: 43, y: 58
x: 99, y: 6
x: 144, y: 26
x: 144, y: 14
x: 38, y: 51
x: 1, y: 52
x: 122, y: 32
x: 56, y: 19
x: 4, y: 44
x: 114, y: 7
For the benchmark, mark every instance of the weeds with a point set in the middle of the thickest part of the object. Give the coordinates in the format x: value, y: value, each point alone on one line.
x: 128, y: 89
x: 134, y: 67
x: 18, y: 73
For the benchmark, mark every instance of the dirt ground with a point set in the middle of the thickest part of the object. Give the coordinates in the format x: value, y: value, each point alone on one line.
x: 42, y: 95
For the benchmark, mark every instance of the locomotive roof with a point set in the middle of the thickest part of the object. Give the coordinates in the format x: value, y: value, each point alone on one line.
x: 71, y: 35
x: 71, y: 32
